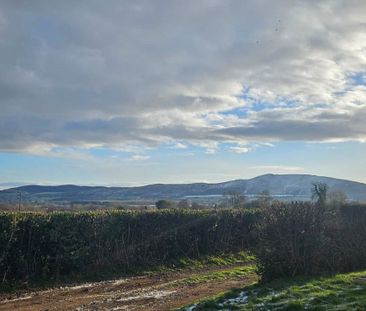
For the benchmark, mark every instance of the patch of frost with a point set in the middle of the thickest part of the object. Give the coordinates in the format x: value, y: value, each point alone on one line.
x: 153, y: 294
x: 191, y: 308
x: 241, y: 299
x: 358, y: 287
x: 17, y: 299
x: 76, y: 287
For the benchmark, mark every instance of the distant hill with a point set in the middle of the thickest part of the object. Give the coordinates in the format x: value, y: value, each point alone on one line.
x: 292, y: 186
x: 8, y: 185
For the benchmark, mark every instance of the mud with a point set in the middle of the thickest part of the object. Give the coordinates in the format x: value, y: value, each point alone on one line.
x: 163, y: 291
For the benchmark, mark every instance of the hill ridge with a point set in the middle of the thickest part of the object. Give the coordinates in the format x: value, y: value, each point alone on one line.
x: 296, y: 185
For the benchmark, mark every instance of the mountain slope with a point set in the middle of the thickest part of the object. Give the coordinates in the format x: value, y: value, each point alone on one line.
x: 279, y: 185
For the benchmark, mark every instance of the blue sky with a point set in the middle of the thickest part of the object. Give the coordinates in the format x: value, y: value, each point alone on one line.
x: 137, y: 92
x: 192, y: 164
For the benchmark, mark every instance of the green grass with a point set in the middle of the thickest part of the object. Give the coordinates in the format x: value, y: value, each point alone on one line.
x: 205, y: 262
x: 339, y: 292
x: 223, y: 260
x: 236, y: 272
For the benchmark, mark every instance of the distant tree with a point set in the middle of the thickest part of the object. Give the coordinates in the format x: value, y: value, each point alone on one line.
x: 336, y: 198
x: 163, y: 204
x: 196, y: 205
x: 235, y: 199
x: 319, y: 193
x: 183, y: 204
x: 264, y: 199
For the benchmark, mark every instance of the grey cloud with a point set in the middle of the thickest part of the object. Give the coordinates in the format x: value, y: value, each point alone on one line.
x: 321, y: 127
x: 112, y: 72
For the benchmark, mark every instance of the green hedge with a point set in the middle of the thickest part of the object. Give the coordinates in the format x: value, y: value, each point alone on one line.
x: 36, y: 246
x: 309, y: 239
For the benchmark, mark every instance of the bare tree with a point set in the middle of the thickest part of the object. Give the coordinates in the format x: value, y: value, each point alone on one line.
x: 235, y: 199
x: 264, y: 198
x: 319, y: 193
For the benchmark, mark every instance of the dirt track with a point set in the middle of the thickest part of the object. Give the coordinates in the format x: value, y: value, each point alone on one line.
x: 151, y: 292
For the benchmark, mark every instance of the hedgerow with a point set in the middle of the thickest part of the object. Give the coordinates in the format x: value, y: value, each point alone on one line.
x: 310, y: 239
x: 38, y: 246
x: 287, y: 239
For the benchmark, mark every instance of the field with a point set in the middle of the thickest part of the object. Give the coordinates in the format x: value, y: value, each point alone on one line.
x: 339, y: 292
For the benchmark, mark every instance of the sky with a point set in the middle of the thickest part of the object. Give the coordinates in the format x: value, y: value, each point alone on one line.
x: 136, y: 92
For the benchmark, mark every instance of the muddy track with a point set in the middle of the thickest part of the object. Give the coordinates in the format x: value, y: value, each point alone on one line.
x: 164, y: 291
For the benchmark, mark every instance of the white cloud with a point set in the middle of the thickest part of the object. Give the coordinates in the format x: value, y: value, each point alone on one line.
x: 278, y: 168
x: 179, y: 145
x: 138, y: 157
x: 135, y: 74
x: 240, y: 149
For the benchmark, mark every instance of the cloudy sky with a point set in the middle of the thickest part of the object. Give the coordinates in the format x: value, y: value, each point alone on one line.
x: 135, y: 92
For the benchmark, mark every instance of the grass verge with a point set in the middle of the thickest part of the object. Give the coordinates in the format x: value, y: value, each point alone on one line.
x: 182, y: 264
x: 236, y: 272
x: 206, y: 261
